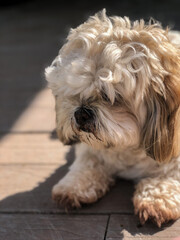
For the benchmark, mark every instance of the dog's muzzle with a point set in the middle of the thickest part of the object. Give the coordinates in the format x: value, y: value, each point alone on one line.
x: 85, y: 119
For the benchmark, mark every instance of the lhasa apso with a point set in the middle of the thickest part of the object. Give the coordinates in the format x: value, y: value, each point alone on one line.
x: 117, y: 90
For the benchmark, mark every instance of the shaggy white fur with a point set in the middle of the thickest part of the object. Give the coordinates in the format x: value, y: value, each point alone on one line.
x: 117, y: 90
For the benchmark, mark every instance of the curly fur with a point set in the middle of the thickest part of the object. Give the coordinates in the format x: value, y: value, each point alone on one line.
x: 128, y: 74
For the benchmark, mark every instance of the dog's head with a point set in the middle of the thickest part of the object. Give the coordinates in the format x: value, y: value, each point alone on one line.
x: 117, y: 84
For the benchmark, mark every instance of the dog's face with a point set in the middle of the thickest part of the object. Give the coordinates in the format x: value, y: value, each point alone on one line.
x: 115, y: 85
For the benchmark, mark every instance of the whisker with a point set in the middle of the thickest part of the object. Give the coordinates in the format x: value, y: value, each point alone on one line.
x: 97, y: 137
x: 87, y: 137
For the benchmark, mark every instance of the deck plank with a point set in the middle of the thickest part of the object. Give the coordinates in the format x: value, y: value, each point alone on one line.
x: 57, y: 227
x: 127, y: 227
x: 32, y: 163
x: 28, y: 189
x: 33, y: 148
x: 38, y: 116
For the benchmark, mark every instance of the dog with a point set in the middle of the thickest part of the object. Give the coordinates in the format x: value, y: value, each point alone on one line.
x: 117, y: 91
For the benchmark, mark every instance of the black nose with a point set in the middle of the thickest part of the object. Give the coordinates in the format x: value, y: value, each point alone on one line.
x: 84, y: 118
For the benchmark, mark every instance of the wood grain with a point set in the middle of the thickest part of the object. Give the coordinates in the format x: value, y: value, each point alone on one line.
x: 127, y: 227
x: 52, y: 227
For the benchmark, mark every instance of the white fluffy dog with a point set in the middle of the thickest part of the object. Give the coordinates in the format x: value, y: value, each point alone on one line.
x: 117, y: 90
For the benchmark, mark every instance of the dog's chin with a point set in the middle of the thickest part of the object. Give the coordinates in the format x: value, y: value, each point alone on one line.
x: 90, y: 139
x: 83, y: 138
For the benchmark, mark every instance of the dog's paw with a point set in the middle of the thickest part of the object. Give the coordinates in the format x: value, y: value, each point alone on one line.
x: 155, y: 211
x: 73, y: 197
x: 158, y: 200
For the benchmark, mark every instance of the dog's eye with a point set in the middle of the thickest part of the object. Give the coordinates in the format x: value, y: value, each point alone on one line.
x: 105, y: 97
x: 118, y: 99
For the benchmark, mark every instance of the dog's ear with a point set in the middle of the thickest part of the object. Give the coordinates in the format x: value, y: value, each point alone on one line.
x: 161, y: 133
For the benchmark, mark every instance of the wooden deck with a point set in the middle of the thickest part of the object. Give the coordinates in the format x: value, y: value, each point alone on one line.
x: 32, y: 160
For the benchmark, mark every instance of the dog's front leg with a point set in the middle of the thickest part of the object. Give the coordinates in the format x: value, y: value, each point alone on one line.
x: 157, y: 199
x: 88, y: 180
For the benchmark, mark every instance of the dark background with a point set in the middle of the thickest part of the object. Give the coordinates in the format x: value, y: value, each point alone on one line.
x: 166, y: 11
